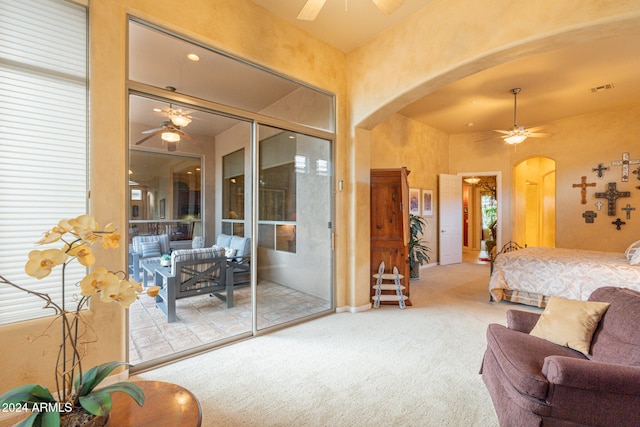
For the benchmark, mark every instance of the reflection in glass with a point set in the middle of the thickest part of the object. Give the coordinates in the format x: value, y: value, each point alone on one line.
x: 165, y: 195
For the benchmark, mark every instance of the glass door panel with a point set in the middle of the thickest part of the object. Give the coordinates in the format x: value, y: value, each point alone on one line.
x: 294, y: 255
x: 175, y: 192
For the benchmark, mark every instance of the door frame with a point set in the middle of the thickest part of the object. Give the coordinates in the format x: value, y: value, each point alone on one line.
x: 499, y: 198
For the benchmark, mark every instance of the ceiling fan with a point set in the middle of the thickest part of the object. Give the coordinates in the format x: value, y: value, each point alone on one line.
x: 170, y: 130
x: 312, y: 7
x: 518, y: 134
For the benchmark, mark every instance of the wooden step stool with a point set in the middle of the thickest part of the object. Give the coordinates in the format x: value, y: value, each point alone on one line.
x: 380, y: 286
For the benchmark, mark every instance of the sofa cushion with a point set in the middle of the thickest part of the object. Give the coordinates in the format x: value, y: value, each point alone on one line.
x: 223, y: 240
x: 570, y: 323
x: 521, y: 358
x: 616, y: 339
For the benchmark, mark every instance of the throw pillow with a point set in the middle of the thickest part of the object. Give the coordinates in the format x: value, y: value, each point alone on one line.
x: 635, y: 259
x: 570, y: 323
x: 151, y: 249
x: 229, y: 252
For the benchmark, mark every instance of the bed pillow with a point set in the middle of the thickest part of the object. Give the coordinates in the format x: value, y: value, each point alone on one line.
x: 632, y: 250
x: 635, y: 259
x: 570, y: 323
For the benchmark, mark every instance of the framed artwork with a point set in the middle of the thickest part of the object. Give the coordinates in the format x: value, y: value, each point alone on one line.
x: 414, y: 201
x: 427, y: 202
x: 163, y: 206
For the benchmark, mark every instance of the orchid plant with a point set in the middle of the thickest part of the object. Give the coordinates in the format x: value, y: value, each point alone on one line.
x: 75, y: 387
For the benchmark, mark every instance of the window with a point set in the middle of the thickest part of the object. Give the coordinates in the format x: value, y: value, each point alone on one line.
x: 43, y: 141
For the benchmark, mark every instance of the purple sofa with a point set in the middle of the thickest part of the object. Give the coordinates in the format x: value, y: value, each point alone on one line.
x: 533, y: 382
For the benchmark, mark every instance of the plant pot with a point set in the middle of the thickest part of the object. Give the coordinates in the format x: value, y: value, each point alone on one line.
x: 78, y: 417
x: 414, y: 272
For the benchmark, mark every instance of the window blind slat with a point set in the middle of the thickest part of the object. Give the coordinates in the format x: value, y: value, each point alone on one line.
x: 43, y: 143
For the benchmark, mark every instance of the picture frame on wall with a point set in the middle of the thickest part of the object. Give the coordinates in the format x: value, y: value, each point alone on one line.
x: 163, y: 204
x: 414, y: 201
x: 427, y: 202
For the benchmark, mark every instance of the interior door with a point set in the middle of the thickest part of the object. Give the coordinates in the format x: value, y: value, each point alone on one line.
x: 450, y: 219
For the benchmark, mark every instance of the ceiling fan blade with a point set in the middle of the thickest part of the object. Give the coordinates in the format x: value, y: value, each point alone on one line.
x: 539, y: 134
x: 148, y: 137
x: 388, y: 6
x: 310, y: 10
x: 502, y: 131
x: 537, y: 128
x: 146, y: 132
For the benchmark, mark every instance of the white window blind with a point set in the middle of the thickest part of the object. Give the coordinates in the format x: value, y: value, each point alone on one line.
x: 43, y: 142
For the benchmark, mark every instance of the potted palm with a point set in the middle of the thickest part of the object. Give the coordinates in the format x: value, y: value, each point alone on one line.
x: 418, y: 252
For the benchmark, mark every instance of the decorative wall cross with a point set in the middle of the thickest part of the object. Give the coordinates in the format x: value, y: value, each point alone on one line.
x: 589, y: 216
x: 625, y: 162
x: 612, y: 195
x: 600, y: 169
x: 599, y: 205
x: 618, y: 223
x: 636, y: 172
x: 628, y: 208
x: 583, y: 185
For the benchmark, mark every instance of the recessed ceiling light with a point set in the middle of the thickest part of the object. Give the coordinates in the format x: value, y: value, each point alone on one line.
x: 470, y: 124
x: 157, y: 110
x: 193, y: 57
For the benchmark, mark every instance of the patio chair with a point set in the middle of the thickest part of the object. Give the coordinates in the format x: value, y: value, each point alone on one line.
x: 146, y: 248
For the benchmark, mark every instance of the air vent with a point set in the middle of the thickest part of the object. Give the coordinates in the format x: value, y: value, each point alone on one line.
x: 602, y: 87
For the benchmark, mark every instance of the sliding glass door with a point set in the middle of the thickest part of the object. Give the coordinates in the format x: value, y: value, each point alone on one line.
x: 294, y: 268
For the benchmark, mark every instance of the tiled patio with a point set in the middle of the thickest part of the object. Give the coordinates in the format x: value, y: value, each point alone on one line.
x: 203, y: 319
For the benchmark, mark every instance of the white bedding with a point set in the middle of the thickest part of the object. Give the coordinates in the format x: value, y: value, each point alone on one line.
x: 531, y: 275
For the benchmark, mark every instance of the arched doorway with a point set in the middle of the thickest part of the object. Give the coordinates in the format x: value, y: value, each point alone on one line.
x: 534, y: 208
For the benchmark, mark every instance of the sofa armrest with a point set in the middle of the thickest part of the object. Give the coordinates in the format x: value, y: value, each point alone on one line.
x: 592, y: 375
x: 522, y: 321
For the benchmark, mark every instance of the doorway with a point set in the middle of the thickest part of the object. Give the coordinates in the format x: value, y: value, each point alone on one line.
x: 482, y: 214
x: 535, y: 202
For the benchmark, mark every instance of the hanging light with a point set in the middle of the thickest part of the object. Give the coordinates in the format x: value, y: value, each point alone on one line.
x: 473, y: 180
x: 178, y: 118
x: 170, y: 136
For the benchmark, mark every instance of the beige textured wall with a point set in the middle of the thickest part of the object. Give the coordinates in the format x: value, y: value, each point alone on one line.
x: 399, y: 141
x: 579, y: 144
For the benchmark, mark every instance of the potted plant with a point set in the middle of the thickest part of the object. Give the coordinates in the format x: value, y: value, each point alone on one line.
x: 418, y: 253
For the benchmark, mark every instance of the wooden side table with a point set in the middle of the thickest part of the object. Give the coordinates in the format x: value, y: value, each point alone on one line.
x: 165, y: 404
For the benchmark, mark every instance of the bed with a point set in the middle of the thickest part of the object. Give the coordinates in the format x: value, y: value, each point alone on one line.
x: 531, y: 275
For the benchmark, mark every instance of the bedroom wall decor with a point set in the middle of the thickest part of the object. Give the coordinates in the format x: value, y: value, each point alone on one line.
x: 600, y: 170
x: 636, y: 172
x: 589, y: 216
x: 583, y: 185
x: 612, y: 194
x: 628, y: 208
x: 625, y: 162
x: 618, y: 223
x: 599, y: 205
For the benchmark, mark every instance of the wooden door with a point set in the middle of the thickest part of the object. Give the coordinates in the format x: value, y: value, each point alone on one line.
x: 390, y: 222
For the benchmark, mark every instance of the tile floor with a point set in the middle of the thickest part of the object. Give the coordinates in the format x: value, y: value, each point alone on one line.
x: 203, y: 319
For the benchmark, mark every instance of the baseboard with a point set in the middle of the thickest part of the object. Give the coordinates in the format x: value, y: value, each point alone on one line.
x: 433, y: 264
x: 353, y: 309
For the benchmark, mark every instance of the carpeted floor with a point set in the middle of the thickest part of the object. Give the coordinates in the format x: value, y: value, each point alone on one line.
x: 383, y: 367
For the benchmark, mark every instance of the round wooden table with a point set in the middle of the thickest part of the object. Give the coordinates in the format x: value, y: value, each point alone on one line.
x: 165, y: 404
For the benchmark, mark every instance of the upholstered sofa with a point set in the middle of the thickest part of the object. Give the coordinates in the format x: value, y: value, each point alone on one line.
x: 536, y: 382
x: 238, y: 251
x: 146, y: 248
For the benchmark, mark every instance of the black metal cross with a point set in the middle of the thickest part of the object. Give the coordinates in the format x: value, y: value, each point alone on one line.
x: 600, y: 169
x: 618, y: 223
x: 625, y: 162
x: 612, y: 195
x: 628, y: 208
x: 589, y: 216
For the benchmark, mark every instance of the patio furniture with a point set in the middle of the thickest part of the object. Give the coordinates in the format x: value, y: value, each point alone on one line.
x: 238, y: 252
x: 145, y: 249
x: 192, y: 272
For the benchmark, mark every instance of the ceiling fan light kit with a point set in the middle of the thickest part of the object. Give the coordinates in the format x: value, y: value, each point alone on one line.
x: 518, y: 134
x: 170, y: 137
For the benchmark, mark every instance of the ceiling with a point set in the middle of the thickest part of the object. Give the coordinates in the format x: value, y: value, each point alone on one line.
x: 554, y: 85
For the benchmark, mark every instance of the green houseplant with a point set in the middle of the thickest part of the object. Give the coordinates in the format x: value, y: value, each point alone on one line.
x: 77, y: 401
x: 418, y: 252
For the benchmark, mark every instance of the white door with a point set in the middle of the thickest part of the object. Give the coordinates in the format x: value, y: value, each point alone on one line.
x: 450, y: 218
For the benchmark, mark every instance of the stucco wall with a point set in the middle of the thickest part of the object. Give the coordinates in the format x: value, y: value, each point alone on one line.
x: 578, y: 145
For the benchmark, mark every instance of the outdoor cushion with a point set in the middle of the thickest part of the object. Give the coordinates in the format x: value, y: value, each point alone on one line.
x: 151, y: 249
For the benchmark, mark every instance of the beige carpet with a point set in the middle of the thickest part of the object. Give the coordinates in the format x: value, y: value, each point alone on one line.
x: 383, y: 367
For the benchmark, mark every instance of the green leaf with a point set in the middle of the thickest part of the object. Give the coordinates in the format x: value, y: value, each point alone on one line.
x: 95, y: 376
x: 98, y: 403
x: 131, y: 389
x: 50, y: 419
x: 28, y: 393
x: 30, y: 421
